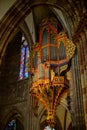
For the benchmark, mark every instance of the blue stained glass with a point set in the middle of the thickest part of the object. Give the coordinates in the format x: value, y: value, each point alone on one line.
x: 11, y: 125
x: 26, y: 74
x: 24, y: 62
x: 48, y: 128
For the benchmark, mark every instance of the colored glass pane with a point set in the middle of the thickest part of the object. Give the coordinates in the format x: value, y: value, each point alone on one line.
x: 24, y: 61
x: 48, y: 128
x: 11, y: 125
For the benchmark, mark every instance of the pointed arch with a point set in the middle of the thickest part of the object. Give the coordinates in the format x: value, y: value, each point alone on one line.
x: 15, y: 115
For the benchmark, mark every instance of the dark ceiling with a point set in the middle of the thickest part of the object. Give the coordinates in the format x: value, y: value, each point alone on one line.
x: 41, y: 12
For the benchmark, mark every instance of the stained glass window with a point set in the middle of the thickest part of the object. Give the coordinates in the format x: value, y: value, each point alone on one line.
x: 24, y: 58
x: 11, y: 125
x: 48, y: 128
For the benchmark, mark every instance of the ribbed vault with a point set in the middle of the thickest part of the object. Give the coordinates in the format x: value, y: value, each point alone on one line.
x: 72, y: 11
x: 72, y: 16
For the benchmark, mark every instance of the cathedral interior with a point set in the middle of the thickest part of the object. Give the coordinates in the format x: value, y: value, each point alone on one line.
x: 43, y: 65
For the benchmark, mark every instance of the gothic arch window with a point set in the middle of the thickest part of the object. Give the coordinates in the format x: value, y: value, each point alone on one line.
x: 11, y: 125
x: 24, y: 59
x: 49, y: 128
x: 14, y: 124
x: 45, y: 126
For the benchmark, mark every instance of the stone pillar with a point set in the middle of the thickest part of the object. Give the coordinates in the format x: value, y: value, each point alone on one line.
x: 72, y: 96
x: 33, y: 114
x: 84, y: 71
x: 30, y: 109
x: 79, y: 123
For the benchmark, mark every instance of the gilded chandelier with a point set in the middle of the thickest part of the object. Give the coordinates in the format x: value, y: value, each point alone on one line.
x: 49, y: 62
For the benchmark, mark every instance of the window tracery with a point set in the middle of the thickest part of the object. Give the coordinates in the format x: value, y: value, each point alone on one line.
x: 11, y: 125
x: 49, y: 128
x: 24, y: 59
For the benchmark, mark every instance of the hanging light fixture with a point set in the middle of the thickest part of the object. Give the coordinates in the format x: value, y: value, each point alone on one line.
x: 49, y: 62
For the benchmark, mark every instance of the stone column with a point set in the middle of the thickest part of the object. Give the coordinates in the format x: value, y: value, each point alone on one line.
x: 84, y: 71
x: 79, y: 113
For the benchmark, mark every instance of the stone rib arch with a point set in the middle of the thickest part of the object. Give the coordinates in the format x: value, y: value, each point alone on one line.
x: 12, y: 114
x: 42, y: 120
x: 9, y: 24
x: 64, y: 115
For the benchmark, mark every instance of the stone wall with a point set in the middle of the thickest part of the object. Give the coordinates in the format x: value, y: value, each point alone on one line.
x: 14, y: 93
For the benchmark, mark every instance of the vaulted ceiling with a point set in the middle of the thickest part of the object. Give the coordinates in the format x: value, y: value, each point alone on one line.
x: 28, y: 14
